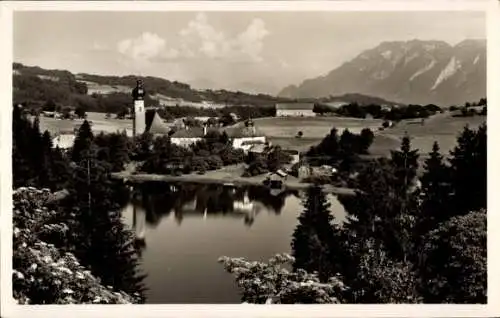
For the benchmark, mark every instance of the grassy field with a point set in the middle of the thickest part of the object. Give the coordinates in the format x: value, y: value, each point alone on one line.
x: 282, y: 131
x: 442, y: 128
x: 99, y: 123
x: 311, y: 127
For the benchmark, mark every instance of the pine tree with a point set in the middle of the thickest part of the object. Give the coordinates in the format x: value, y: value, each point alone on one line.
x: 469, y: 172
x: 436, y: 189
x: 347, y: 145
x: 365, y: 140
x: 313, y: 244
x: 61, y: 170
x: 405, y: 163
x: 103, y: 243
x: 83, y: 142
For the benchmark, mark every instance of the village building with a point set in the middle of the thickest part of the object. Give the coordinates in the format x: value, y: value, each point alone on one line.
x: 245, y: 137
x: 275, y: 180
x: 155, y: 124
x: 301, y: 170
x: 294, y: 154
x: 188, y: 136
x: 385, y: 108
x: 295, y: 110
x: 258, y: 149
x: 64, y: 140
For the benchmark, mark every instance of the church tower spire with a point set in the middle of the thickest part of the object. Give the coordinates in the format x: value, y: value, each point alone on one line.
x: 139, y: 115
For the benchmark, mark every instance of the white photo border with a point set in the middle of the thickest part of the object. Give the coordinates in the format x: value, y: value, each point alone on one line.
x: 8, y: 305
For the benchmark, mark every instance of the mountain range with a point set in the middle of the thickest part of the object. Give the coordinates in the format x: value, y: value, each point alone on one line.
x: 418, y: 72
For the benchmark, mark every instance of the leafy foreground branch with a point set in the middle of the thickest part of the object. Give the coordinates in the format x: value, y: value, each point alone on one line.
x: 46, y: 273
x: 270, y: 283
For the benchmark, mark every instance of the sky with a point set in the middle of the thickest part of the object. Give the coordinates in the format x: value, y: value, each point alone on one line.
x: 249, y: 51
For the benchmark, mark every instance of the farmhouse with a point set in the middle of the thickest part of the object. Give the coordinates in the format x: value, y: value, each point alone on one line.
x: 295, y: 110
x: 188, y: 136
x: 245, y: 137
x: 63, y: 140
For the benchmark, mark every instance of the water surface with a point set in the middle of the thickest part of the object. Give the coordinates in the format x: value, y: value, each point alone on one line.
x: 188, y: 227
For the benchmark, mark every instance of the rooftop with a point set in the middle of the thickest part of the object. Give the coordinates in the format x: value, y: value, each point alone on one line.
x: 259, y: 148
x: 155, y: 124
x: 192, y: 132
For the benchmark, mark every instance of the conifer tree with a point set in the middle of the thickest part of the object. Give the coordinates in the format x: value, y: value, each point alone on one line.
x: 436, y: 189
x: 405, y: 163
x: 347, y: 145
x: 314, y: 242
x: 83, y: 142
x: 105, y: 245
x: 365, y: 140
x: 469, y: 173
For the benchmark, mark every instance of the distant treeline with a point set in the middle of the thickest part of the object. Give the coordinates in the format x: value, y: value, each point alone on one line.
x: 392, y: 113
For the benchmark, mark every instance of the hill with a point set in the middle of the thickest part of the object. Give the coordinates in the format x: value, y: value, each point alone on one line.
x: 412, y: 72
x: 37, y: 86
x: 33, y: 84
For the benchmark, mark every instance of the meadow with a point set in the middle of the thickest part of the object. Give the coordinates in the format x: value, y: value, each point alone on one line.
x: 282, y: 131
x: 443, y: 128
x: 99, y: 123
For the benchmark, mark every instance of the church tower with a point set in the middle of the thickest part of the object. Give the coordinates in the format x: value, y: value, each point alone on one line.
x: 139, y: 116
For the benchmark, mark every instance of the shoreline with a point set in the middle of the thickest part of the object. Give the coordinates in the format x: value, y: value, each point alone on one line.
x: 233, y: 181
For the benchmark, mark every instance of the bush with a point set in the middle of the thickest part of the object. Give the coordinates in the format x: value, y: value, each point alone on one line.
x: 455, y: 262
x: 46, y: 273
x: 270, y: 283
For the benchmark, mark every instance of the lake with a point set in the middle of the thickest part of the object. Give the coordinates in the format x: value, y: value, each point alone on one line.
x: 187, y: 227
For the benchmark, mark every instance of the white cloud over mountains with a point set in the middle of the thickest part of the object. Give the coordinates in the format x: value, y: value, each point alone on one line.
x: 200, y: 40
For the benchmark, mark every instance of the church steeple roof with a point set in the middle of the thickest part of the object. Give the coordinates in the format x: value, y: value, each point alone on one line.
x: 155, y: 124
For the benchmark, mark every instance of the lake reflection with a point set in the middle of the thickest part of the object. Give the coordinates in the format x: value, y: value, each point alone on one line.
x: 187, y: 227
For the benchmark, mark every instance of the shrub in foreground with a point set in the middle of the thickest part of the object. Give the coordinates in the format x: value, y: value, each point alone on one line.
x: 49, y: 273
x: 270, y: 283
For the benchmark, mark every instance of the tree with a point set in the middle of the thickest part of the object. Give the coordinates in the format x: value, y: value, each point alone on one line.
x: 35, y: 161
x: 405, y: 163
x: 468, y: 171
x: 103, y: 243
x: 314, y: 239
x: 276, y: 158
x: 329, y: 146
x: 348, y: 145
x: 50, y: 106
x: 114, y: 149
x: 83, y: 143
x: 455, y: 264
x: 227, y: 119
x: 80, y: 112
x: 212, y: 122
x: 44, y: 270
x: 436, y: 190
x: 366, y: 139
x: 381, y: 279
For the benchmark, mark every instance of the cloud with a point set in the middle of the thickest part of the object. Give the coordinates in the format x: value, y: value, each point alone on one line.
x: 145, y: 47
x: 250, y: 40
x: 198, y: 40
